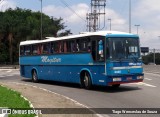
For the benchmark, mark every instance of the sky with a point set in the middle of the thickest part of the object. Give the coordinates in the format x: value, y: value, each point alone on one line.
x: 145, y: 13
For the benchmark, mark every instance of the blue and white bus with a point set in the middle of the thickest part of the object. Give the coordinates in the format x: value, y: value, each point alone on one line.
x: 105, y: 58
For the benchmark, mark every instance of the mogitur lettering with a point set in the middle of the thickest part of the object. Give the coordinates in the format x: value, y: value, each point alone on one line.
x: 45, y: 59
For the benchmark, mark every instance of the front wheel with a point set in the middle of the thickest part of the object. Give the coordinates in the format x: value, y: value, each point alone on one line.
x: 86, y: 81
x: 34, y: 76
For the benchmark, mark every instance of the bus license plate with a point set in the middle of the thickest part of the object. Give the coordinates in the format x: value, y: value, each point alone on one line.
x: 129, y: 78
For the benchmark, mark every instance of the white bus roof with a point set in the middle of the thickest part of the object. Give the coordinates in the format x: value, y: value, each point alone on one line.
x: 83, y: 34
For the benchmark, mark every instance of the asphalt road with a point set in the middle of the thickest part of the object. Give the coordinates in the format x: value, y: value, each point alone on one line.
x: 136, y: 95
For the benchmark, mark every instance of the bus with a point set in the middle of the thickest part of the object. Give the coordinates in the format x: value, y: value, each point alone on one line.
x: 104, y: 58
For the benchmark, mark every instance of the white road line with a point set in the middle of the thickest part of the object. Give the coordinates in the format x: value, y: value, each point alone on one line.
x: 76, y: 102
x: 30, y: 104
x: 5, y: 69
x: 16, y: 73
x: 10, y: 75
x: 9, y: 71
x: 147, y: 79
x: 145, y: 84
x: 152, y: 74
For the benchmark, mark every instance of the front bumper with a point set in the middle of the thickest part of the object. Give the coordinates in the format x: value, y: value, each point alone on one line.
x: 122, y: 79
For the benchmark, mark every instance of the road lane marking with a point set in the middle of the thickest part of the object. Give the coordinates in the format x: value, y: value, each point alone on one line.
x: 9, y: 71
x: 16, y: 73
x: 30, y: 104
x: 147, y: 78
x: 10, y: 75
x: 145, y: 84
x: 76, y: 102
x: 152, y: 74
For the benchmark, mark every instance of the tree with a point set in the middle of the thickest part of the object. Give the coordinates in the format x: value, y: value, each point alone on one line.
x: 65, y: 33
x: 21, y: 24
x: 149, y: 58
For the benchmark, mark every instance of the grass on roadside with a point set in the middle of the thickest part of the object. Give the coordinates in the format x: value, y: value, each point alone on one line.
x: 13, y: 99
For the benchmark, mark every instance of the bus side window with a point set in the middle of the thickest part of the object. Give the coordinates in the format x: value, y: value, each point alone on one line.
x: 34, y: 49
x: 73, y: 45
x: 27, y: 50
x: 60, y: 47
x: 68, y: 47
x: 56, y: 47
x: 65, y: 46
x: 52, y: 48
x: 84, y: 44
x: 107, y: 51
x: 89, y: 46
x: 94, y: 50
x: 46, y: 48
x: 77, y: 45
x: 39, y: 49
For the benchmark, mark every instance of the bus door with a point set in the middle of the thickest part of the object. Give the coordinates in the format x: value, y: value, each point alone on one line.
x: 98, y: 50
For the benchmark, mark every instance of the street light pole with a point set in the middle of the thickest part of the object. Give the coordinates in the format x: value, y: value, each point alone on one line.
x: 130, y: 16
x: 41, y: 20
x: 110, y: 22
x: 137, y: 27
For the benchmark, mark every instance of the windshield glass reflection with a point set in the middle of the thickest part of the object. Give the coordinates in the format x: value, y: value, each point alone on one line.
x: 124, y: 48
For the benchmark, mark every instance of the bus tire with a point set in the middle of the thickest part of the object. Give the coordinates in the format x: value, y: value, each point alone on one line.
x: 116, y: 85
x: 34, y: 76
x: 86, y: 80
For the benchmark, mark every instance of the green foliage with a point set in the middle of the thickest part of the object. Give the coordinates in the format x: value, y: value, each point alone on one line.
x: 3, y: 53
x: 67, y: 32
x: 20, y: 25
x: 12, y: 99
x: 149, y: 58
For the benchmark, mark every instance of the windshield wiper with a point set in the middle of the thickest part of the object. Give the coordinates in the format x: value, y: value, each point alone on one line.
x: 120, y: 59
x: 134, y: 58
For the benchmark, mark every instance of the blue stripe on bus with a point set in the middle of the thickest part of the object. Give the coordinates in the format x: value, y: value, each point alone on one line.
x: 59, y: 59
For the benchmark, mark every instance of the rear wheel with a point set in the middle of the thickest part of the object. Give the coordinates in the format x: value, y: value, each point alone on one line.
x: 86, y: 81
x: 34, y: 76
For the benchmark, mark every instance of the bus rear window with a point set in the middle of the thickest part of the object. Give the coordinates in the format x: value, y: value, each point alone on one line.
x: 22, y: 50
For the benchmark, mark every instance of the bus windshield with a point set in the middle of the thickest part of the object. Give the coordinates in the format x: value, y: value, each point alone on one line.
x: 124, y: 48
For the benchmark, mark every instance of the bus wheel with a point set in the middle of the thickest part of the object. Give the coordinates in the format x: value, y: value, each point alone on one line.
x: 116, y: 85
x: 87, y: 81
x: 34, y: 76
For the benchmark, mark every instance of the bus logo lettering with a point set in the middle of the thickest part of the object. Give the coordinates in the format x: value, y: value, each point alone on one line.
x: 45, y: 59
x: 135, y: 64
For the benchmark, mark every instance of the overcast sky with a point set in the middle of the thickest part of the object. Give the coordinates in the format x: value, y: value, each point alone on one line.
x: 145, y: 13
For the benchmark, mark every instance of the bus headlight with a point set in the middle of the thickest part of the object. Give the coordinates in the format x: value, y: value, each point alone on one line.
x: 140, y: 77
x: 117, y: 79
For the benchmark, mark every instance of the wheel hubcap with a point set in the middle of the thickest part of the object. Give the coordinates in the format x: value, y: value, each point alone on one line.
x: 34, y: 76
x: 86, y: 80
